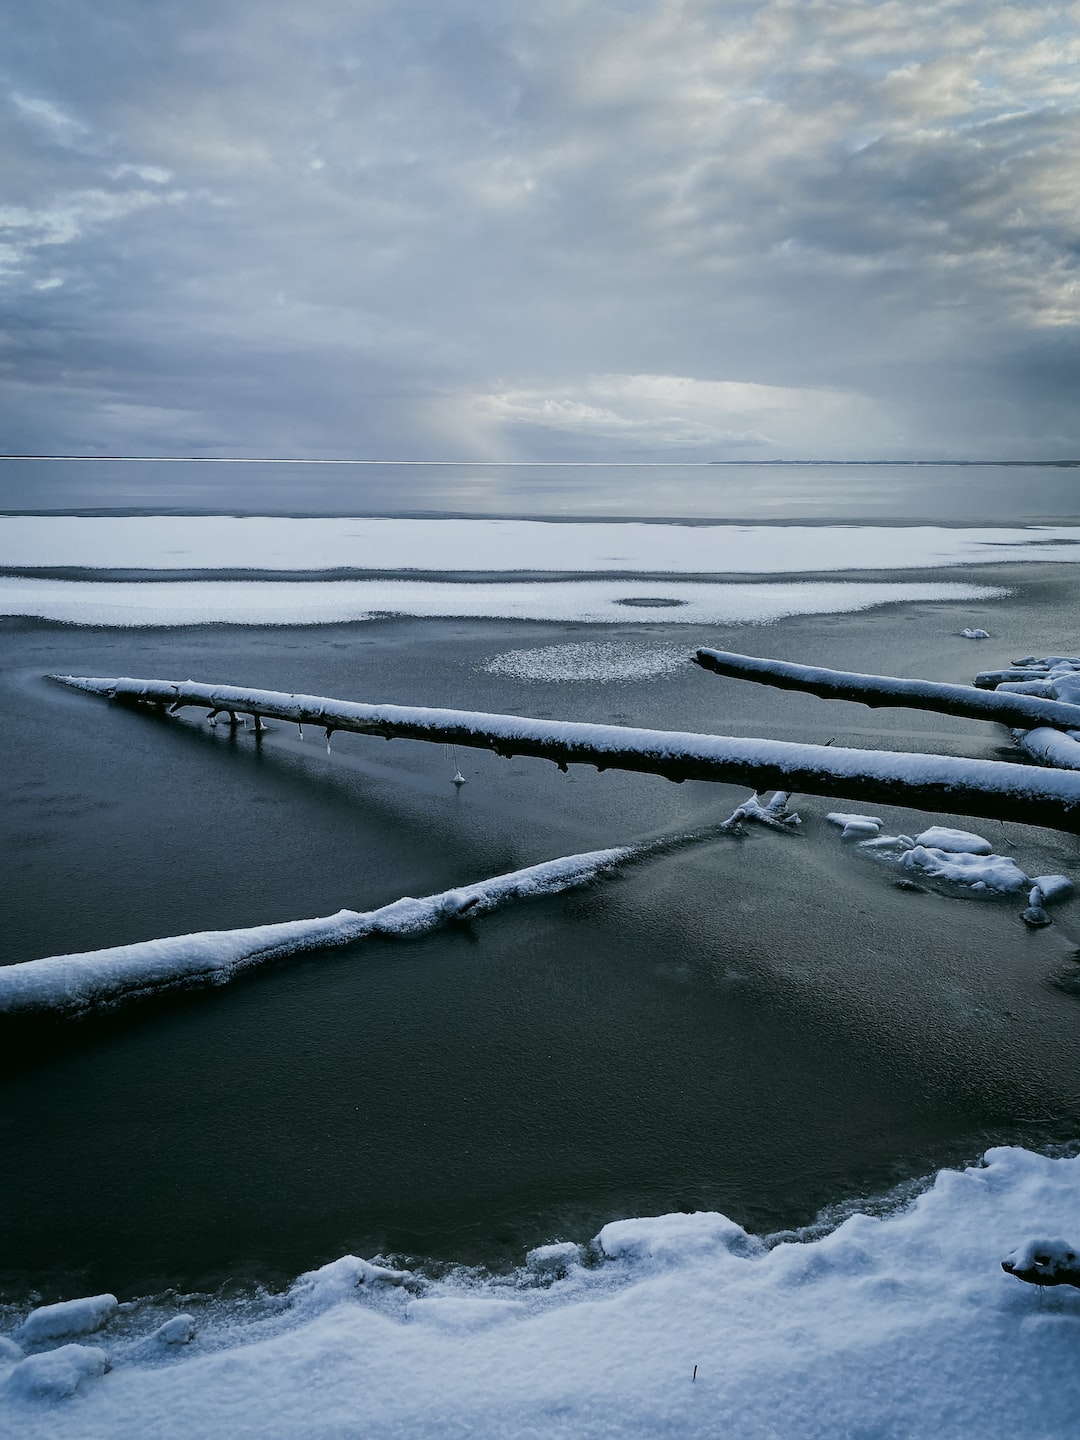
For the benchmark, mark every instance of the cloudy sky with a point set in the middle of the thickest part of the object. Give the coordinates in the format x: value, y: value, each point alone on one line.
x: 623, y: 229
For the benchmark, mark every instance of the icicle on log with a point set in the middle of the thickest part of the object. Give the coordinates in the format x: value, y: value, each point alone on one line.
x: 75, y: 983
x: 1006, y: 708
x: 938, y: 783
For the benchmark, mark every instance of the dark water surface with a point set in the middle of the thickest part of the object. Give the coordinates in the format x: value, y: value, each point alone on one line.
x: 881, y: 493
x: 761, y: 1026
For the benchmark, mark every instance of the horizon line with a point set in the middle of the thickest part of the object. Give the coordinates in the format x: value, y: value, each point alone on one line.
x: 507, y: 464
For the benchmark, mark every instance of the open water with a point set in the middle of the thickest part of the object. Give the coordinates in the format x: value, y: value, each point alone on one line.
x: 763, y: 1026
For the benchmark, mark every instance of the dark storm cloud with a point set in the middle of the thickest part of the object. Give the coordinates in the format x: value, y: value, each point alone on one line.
x: 641, y: 229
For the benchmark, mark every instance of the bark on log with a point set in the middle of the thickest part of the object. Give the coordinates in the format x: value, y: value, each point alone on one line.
x: 938, y: 783
x: 877, y: 691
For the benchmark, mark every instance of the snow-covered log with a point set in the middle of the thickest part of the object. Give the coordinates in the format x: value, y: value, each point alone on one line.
x: 1050, y: 747
x: 1006, y: 708
x: 75, y: 983
x: 926, y: 782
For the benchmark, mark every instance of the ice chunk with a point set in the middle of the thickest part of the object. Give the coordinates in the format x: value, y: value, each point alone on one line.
x: 975, y: 634
x: 672, y: 1239
x: 940, y: 837
x: 1035, y: 915
x: 841, y: 818
x: 180, y: 1330
x: 1054, y: 887
x: 340, y: 1279
x: 860, y: 830
x: 887, y: 842
x: 980, y: 872
x: 68, y: 1317
x: 553, y: 1259
x: 1044, y: 1262
x: 56, y: 1373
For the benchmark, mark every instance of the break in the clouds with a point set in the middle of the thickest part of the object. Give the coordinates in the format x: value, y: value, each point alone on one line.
x: 640, y: 229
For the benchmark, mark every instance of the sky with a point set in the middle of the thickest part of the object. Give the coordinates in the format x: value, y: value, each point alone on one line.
x: 573, y: 229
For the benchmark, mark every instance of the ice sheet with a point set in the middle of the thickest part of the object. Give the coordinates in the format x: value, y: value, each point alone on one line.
x: 327, y: 602
x: 259, y: 542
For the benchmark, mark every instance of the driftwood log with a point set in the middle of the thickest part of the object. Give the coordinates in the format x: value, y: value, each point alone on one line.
x: 938, y: 783
x: 1025, y: 712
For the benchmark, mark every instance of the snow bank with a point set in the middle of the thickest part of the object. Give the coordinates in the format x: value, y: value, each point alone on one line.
x: 275, y: 543
x: 98, y: 977
x: 127, y: 604
x: 903, y: 1325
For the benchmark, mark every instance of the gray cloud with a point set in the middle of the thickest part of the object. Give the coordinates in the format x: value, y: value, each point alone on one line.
x: 425, y: 230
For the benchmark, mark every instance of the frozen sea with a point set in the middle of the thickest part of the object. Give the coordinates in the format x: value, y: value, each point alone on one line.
x: 769, y: 1027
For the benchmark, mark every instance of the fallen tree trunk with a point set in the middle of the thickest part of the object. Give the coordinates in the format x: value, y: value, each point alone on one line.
x: 1006, y: 708
x: 938, y: 783
x: 75, y: 983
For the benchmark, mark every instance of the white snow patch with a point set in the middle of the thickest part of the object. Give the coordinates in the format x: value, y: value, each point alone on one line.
x: 276, y: 543
x: 967, y: 634
x: 463, y: 1314
x: 940, y: 837
x: 980, y: 872
x: 844, y: 819
x: 905, y: 1321
x: 602, y: 660
x: 128, y: 604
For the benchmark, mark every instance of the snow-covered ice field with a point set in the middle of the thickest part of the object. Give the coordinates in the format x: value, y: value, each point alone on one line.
x: 443, y: 546
x: 327, y: 602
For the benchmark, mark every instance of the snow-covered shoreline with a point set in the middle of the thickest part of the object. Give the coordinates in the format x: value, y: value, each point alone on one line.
x: 901, y: 1324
